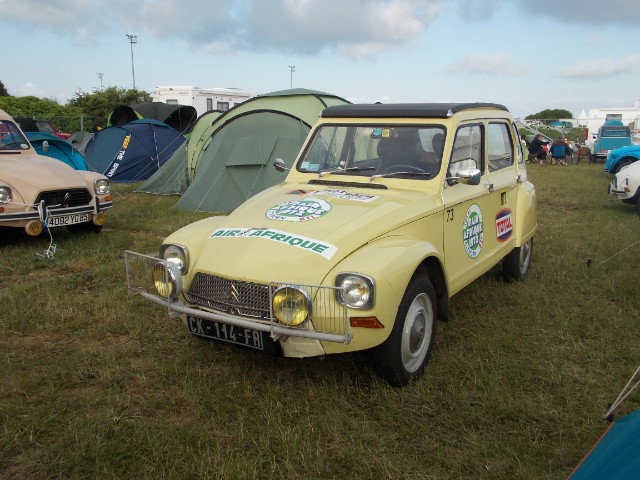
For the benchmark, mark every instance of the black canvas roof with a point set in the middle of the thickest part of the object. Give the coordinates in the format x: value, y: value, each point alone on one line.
x: 412, y: 110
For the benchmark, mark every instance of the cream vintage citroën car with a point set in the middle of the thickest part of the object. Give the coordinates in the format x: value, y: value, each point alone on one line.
x: 39, y: 192
x: 388, y: 211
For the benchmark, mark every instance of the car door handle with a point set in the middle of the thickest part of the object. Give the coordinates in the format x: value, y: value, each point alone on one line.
x: 489, y: 187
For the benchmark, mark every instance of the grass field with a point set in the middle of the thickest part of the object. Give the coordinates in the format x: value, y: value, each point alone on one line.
x: 95, y: 384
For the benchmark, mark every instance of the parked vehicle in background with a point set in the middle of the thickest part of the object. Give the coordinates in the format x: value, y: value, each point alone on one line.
x: 28, y: 124
x: 39, y: 192
x: 388, y: 212
x: 613, y: 134
x: 625, y: 185
x: 621, y: 157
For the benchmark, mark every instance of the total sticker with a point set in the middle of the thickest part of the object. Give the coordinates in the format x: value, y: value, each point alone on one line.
x: 473, y: 231
x: 299, y: 210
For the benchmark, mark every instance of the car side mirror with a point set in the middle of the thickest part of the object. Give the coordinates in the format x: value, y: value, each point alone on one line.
x: 279, y: 165
x: 45, y: 146
x: 468, y: 177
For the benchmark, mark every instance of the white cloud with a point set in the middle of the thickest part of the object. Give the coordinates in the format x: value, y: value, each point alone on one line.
x: 602, y: 68
x: 488, y: 64
x: 354, y: 28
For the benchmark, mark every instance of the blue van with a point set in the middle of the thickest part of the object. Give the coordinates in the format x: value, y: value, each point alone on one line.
x: 613, y: 134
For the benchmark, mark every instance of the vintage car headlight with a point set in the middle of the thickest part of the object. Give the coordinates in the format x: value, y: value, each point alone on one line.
x: 101, y: 186
x: 167, y: 280
x: 5, y: 195
x: 291, y: 305
x: 355, y: 290
x: 176, y: 254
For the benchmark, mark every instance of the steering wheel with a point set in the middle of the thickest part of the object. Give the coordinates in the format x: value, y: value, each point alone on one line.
x: 403, y: 168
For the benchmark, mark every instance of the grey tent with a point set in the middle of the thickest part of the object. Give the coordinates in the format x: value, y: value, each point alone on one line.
x: 235, y: 161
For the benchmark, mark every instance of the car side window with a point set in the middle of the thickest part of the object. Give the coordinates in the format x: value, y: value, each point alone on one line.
x: 499, y: 146
x: 467, y: 151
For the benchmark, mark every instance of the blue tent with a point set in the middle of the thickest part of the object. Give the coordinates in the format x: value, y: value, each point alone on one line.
x: 58, y: 149
x: 132, y: 152
x: 616, y: 456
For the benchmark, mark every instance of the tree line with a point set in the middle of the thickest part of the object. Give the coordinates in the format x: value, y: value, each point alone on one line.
x: 84, y: 111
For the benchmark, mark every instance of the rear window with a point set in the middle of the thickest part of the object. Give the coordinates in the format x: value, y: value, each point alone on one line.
x: 616, y: 132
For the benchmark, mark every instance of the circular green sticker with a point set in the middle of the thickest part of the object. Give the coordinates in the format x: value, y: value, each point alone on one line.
x: 473, y: 231
x: 299, y: 210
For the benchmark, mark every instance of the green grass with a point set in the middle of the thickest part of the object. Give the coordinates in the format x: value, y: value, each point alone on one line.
x: 95, y: 384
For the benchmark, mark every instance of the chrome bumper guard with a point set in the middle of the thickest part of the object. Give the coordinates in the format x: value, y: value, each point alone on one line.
x: 328, y: 322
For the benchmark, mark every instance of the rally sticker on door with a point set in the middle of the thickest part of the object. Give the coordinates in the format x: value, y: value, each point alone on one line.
x: 504, y: 225
x: 473, y: 231
x: 299, y: 210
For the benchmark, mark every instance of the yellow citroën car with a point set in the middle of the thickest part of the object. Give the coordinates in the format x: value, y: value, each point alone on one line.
x: 388, y: 211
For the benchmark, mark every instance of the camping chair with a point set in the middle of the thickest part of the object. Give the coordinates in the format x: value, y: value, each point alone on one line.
x: 583, y: 152
x: 559, y: 154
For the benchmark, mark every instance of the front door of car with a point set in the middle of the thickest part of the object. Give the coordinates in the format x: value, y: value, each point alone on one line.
x: 468, y: 208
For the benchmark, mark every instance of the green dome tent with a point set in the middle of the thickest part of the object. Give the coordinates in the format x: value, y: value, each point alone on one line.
x: 174, y: 176
x: 232, y: 158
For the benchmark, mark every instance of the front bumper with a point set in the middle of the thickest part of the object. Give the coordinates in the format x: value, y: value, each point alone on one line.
x: 328, y: 321
x: 42, y: 213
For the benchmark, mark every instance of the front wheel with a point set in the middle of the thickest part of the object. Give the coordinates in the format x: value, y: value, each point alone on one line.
x: 403, y: 357
x: 515, y: 266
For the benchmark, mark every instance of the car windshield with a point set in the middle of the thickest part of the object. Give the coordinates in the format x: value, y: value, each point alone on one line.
x: 11, y: 138
x: 368, y: 150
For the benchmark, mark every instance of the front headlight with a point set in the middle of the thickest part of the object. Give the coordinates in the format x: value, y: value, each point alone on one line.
x: 355, y: 290
x: 291, y: 305
x: 167, y: 280
x: 101, y: 186
x: 176, y: 254
x: 5, y: 195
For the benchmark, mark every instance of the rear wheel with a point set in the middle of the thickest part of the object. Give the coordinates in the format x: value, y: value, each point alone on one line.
x: 515, y: 266
x: 403, y: 357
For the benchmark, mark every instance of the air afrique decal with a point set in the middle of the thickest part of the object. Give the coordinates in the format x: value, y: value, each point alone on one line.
x: 473, y: 231
x: 299, y: 210
x: 323, y: 249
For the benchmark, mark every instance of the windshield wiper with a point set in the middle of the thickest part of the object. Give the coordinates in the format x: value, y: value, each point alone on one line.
x: 345, y: 170
x: 393, y: 174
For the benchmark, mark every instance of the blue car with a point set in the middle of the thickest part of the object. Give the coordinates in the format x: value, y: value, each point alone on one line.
x: 620, y: 157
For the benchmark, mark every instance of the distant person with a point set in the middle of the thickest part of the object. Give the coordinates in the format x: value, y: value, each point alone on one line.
x: 562, y: 141
x: 537, y: 151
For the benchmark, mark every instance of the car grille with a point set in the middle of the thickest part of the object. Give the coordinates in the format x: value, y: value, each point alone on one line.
x: 74, y: 197
x: 240, y: 298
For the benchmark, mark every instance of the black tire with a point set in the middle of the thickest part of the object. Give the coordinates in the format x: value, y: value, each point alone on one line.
x: 515, y: 266
x: 87, y: 227
x: 638, y: 206
x: 622, y: 163
x: 403, y: 357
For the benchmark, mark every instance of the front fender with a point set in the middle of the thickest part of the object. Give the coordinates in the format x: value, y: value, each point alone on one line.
x: 391, y: 262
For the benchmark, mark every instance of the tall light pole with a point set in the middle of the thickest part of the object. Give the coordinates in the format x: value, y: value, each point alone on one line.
x: 132, y: 39
x: 293, y: 69
x: 100, y: 75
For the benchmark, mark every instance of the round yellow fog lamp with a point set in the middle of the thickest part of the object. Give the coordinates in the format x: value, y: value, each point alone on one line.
x: 291, y: 305
x: 167, y: 280
x: 100, y: 219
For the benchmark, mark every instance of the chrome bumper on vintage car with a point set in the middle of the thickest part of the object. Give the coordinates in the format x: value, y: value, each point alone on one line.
x: 43, y: 211
x: 241, y: 304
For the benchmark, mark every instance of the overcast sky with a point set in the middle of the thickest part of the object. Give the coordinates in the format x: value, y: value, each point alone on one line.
x: 526, y: 54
